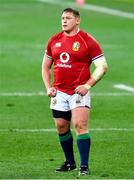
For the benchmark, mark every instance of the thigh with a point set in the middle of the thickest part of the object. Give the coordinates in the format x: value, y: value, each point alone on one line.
x: 80, y: 119
x: 62, y: 120
x: 61, y: 112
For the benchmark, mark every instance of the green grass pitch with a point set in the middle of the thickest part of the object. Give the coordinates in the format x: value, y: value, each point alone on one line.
x: 26, y: 152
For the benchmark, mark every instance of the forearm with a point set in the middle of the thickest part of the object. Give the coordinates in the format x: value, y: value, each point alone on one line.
x: 96, y: 76
x: 46, y: 76
x: 90, y: 83
x: 46, y: 71
x: 101, y: 68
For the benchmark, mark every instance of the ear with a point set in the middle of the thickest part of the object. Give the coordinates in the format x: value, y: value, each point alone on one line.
x: 77, y: 21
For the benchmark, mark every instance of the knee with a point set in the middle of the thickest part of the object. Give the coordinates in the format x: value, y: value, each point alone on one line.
x: 78, y: 127
x: 81, y: 128
x: 62, y: 126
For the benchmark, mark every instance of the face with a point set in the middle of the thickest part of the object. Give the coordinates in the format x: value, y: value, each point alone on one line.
x: 69, y: 22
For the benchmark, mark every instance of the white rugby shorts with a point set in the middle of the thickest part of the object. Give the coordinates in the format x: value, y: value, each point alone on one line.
x: 66, y: 102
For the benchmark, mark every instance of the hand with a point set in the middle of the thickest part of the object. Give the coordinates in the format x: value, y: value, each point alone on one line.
x: 51, y: 92
x: 82, y: 90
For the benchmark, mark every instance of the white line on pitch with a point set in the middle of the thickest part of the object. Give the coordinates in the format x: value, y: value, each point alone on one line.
x: 30, y: 94
x: 124, y: 87
x: 95, y: 8
x: 54, y: 130
x: 40, y: 93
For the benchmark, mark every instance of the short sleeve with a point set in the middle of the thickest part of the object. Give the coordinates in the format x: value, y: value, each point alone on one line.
x: 48, y: 51
x: 95, y: 51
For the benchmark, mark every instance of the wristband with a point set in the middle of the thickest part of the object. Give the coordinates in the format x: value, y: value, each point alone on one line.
x: 87, y: 86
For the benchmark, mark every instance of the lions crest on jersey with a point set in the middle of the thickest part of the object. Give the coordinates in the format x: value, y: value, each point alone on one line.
x: 76, y: 46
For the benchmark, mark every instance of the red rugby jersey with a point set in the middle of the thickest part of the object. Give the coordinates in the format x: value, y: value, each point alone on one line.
x: 72, y: 56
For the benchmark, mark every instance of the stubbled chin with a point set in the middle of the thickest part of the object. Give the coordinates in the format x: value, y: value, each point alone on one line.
x: 65, y: 30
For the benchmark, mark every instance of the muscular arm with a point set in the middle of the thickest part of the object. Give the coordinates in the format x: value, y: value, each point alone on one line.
x: 46, y: 75
x: 101, y: 68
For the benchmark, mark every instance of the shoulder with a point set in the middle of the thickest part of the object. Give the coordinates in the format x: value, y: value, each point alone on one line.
x: 87, y: 36
x: 55, y: 37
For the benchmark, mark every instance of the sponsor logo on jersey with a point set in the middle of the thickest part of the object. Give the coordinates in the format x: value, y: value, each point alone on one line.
x: 64, y: 57
x: 64, y: 65
x: 58, y: 44
x: 76, y: 46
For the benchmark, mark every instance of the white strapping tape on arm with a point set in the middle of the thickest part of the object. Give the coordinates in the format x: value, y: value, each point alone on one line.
x: 100, y: 68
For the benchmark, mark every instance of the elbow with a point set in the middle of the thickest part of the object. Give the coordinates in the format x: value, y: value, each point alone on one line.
x: 42, y: 73
x: 105, y: 68
x: 104, y: 65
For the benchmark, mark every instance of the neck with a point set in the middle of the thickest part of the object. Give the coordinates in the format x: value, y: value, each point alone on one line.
x: 72, y: 33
